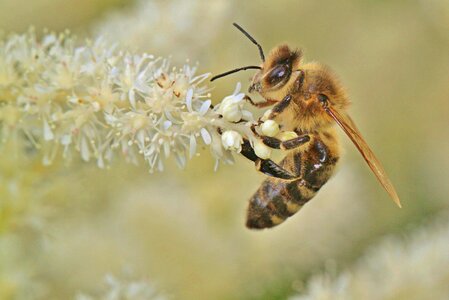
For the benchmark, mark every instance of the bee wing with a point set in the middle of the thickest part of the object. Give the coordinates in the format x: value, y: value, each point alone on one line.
x: 348, y: 126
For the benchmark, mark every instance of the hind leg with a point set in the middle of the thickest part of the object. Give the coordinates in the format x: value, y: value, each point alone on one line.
x: 266, y: 166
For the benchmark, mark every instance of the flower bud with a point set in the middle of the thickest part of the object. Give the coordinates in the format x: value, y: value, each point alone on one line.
x: 270, y: 128
x: 232, y: 140
x: 262, y: 150
x: 231, y: 107
x: 232, y: 112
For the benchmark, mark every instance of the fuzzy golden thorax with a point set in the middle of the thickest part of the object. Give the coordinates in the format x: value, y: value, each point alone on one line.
x: 308, y: 84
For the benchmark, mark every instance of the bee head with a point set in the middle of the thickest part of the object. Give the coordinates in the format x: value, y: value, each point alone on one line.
x: 276, y: 72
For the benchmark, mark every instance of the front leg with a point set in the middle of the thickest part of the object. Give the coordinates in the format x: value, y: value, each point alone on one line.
x: 266, y: 166
x: 280, y: 107
x: 267, y: 103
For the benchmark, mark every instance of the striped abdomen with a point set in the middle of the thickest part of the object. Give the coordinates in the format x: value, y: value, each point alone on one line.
x: 278, y: 199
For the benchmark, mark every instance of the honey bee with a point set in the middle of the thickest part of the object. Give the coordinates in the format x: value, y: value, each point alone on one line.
x: 307, y: 99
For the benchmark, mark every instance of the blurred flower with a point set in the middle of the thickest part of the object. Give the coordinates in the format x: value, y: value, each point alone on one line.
x: 98, y: 101
x: 18, y: 278
x: 162, y: 26
x: 415, y: 269
x: 125, y: 289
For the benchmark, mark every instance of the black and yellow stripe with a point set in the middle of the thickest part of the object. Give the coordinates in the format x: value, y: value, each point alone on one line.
x: 278, y: 199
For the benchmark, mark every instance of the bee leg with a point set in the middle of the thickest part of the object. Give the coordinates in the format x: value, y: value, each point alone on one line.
x: 248, y: 151
x: 276, y: 143
x: 270, y: 168
x: 285, y: 145
x: 280, y: 107
x: 266, y: 166
x: 260, y: 104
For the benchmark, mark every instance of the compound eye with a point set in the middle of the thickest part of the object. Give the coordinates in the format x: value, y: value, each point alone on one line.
x: 278, y: 74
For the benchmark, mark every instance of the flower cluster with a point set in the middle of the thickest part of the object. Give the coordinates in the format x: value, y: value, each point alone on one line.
x: 119, y: 288
x: 98, y: 101
x: 163, y: 26
x: 397, y: 269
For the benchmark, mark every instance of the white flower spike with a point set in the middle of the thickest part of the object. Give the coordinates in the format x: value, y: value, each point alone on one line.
x: 99, y: 102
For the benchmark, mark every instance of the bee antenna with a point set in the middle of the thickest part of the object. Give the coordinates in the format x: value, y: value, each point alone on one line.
x: 251, y: 39
x: 234, y: 71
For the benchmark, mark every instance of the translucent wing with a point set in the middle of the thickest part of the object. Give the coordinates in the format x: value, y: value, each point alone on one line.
x: 351, y: 130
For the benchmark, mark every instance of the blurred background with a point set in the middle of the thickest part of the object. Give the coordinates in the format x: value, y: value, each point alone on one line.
x: 63, y: 229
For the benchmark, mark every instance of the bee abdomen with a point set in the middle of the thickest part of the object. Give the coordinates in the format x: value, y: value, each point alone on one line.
x: 275, y: 201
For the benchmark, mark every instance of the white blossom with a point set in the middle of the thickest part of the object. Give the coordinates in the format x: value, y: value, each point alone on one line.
x: 232, y: 140
x: 134, y: 27
x: 232, y: 107
x: 100, y: 102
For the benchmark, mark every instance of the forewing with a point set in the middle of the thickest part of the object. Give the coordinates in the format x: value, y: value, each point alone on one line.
x: 348, y: 126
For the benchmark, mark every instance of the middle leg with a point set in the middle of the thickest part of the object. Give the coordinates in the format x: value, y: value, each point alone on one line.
x: 276, y: 143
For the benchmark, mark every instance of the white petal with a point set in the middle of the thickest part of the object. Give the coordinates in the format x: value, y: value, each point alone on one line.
x: 110, y: 119
x: 170, y: 116
x: 100, y: 162
x: 85, y: 152
x: 46, y: 160
x: 160, y: 165
x: 167, y: 149
x: 181, y: 160
x: 206, y: 136
x: 192, y: 148
x: 132, y: 97
x: 140, y: 137
x: 237, y: 88
x: 204, y: 107
x: 166, y: 125
x: 150, y: 151
x: 109, y: 154
x: 141, y: 85
x: 199, y: 78
x: 217, y: 163
x: 239, y: 97
x: 189, y: 97
x: 66, y: 139
x: 48, y: 133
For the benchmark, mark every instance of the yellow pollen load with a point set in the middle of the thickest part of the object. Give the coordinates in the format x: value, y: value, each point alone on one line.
x: 276, y: 220
x: 292, y: 207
